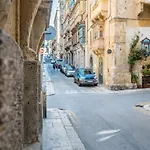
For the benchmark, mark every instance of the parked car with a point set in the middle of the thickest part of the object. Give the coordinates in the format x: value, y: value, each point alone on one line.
x: 69, y: 71
x: 85, y: 76
x: 53, y: 61
x: 62, y: 68
x: 59, y: 62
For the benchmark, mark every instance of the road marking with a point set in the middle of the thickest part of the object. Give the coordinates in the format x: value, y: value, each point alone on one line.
x: 71, y: 92
x: 107, y: 132
x: 106, y: 135
x: 88, y: 91
x: 105, y: 138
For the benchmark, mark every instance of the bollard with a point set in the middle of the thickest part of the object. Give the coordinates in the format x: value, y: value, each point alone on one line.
x: 44, y: 105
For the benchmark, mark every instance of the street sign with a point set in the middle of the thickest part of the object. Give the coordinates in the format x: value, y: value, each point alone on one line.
x: 41, y: 50
x: 109, y: 51
x: 50, y: 33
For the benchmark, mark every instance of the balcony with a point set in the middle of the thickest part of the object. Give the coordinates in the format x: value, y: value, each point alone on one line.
x: 68, y: 44
x: 75, y: 17
x: 143, y: 9
x: 97, y: 46
x: 99, y: 10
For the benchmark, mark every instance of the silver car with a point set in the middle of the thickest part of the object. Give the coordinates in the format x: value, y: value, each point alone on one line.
x: 69, y: 71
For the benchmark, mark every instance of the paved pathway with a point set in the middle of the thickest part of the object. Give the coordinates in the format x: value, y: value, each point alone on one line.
x: 58, y: 132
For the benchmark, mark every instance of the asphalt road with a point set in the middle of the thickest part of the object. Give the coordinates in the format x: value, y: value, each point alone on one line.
x: 103, y: 121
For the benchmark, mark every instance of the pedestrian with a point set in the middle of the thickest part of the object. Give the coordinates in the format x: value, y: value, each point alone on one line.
x: 57, y: 66
x: 54, y: 66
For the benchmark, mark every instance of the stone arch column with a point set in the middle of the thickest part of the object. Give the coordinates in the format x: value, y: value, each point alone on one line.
x: 37, y: 30
x: 4, y: 10
x: 26, y: 23
x: 11, y: 92
x: 39, y: 44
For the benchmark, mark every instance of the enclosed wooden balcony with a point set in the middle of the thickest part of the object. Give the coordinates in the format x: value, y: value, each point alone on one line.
x: 99, y: 10
x: 143, y: 9
x: 68, y: 44
x: 97, y: 46
x: 75, y: 17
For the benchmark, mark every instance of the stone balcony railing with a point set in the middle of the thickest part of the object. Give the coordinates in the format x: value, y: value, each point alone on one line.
x: 99, y: 10
x: 97, y: 46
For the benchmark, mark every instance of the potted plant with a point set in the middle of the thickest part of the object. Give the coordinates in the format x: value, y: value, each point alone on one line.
x: 134, y: 78
x: 146, y: 70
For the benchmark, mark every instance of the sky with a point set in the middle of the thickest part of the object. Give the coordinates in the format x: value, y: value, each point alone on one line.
x: 54, y: 8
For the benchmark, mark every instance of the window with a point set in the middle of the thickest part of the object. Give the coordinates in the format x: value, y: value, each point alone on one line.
x: 146, y: 46
x: 95, y: 35
x: 101, y: 34
x: 87, y: 72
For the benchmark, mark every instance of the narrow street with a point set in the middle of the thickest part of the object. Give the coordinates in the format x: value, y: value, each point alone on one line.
x: 103, y: 120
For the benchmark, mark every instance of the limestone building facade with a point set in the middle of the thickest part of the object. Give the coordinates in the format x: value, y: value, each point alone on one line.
x: 57, y: 27
x: 73, y: 31
x: 112, y: 25
x: 108, y: 27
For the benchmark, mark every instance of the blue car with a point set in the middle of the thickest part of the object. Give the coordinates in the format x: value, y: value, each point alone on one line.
x: 85, y: 76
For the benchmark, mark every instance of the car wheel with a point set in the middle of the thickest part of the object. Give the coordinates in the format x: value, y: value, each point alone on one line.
x: 79, y: 84
x: 74, y: 80
x: 96, y: 84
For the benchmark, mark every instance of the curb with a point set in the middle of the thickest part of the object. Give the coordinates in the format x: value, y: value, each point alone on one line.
x: 49, y: 86
x: 133, y: 90
x: 146, y: 107
x: 59, y: 133
x: 143, y: 107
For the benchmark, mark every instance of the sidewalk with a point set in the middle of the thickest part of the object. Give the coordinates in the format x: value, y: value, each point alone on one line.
x: 106, y: 90
x: 58, y: 132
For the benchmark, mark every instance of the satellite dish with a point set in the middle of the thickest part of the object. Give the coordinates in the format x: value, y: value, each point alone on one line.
x: 50, y: 33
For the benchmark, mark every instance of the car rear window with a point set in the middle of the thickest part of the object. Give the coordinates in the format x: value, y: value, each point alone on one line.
x: 59, y: 61
x: 87, y: 72
x: 70, y: 68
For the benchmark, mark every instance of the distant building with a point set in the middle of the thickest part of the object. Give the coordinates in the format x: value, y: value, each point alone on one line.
x: 57, y: 27
x: 98, y: 34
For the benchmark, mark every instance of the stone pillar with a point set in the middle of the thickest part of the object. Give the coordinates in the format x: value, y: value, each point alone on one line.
x: 32, y: 90
x: 11, y: 91
x: 40, y: 101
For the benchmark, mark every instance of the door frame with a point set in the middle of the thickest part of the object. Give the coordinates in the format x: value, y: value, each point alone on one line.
x: 100, y: 70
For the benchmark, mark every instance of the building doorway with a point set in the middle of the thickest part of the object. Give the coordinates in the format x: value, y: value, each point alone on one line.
x: 91, y: 62
x: 100, y: 71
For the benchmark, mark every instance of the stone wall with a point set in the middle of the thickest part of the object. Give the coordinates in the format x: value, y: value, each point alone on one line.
x: 31, y: 102
x: 11, y: 92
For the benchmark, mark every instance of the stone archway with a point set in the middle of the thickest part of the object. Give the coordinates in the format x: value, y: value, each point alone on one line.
x: 26, y: 22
